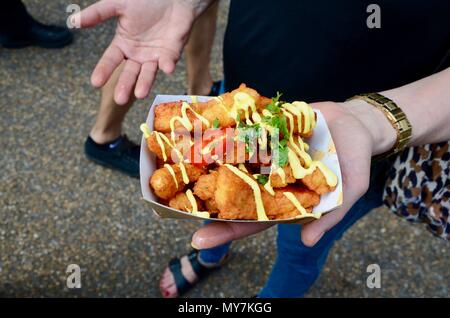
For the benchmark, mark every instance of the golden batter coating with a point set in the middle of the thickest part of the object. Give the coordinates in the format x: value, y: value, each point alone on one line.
x: 280, y: 207
x: 224, y: 191
x: 182, y: 144
x: 205, y: 186
x: 166, y: 186
x: 235, y: 199
x: 316, y: 181
x: 181, y: 202
x: 276, y: 181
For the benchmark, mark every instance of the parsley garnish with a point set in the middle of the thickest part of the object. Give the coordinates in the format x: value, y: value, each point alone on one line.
x: 278, y: 122
x: 216, y: 123
x: 274, y: 106
x: 262, y: 179
x: 249, y: 135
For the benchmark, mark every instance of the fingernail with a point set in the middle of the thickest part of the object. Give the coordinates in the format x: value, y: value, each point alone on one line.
x: 194, y: 246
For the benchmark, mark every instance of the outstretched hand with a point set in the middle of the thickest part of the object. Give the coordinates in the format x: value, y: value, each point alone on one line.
x: 150, y: 35
x: 355, y: 127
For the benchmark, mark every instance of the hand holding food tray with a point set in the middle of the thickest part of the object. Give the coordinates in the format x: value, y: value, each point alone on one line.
x: 238, y: 157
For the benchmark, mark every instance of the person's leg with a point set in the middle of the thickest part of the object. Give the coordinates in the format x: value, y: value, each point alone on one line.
x: 211, y: 258
x: 106, y: 145
x: 297, y: 266
x: 198, y: 52
x: 108, y: 124
x: 14, y: 18
x: 19, y: 29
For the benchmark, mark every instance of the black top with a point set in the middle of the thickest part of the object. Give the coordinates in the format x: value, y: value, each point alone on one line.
x: 317, y: 50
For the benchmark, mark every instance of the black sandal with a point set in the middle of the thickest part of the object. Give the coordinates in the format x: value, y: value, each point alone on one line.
x: 183, y: 285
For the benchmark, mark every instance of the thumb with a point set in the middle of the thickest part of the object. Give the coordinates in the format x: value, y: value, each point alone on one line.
x: 217, y: 233
x: 97, y: 13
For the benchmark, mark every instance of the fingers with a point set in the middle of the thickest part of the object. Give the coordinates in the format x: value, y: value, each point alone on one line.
x: 112, y: 57
x: 145, y: 79
x: 312, y: 232
x: 166, y: 64
x: 218, y: 233
x: 97, y: 13
x: 126, y: 82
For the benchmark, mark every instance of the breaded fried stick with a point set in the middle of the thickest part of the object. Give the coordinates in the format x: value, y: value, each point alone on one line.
x: 181, y: 202
x: 157, y: 144
x: 235, y: 199
x: 167, y: 181
x: 317, y: 182
x: 217, y: 108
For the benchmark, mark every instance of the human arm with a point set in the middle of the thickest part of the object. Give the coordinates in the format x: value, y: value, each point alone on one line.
x: 150, y: 35
x: 359, y: 131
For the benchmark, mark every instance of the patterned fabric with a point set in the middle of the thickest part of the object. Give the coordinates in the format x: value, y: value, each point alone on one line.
x: 418, y: 187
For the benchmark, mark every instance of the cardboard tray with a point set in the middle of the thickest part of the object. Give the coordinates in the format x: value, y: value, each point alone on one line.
x: 321, y: 148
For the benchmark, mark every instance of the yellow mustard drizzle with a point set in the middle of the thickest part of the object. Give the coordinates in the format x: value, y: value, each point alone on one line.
x: 242, y: 102
x: 145, y: 130
x: 282, y: 174
x: 256, y: 191
x: 242, y: 167
x: 299, y: 150
x: 299, y: 109
x: 300, y: 172
x: 184, y: 119
x: 179, y: 154
x: 211, y: 145
x: 295, y: 202
x: 172, y: 173
x: 220, y: 102
x: 183, y: 172
x: 171, y: 145
x: 268, y: 186
x: 193, y: 203
x: 161, y: 146
x: 330, y: 177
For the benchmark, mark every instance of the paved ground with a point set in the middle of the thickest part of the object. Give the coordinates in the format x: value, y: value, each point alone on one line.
x: 57, y: 208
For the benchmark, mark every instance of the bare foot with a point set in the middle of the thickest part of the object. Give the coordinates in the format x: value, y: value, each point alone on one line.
x: 167, y: 283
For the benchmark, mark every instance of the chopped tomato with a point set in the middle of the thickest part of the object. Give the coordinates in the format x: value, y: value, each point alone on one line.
x: 211, y: 146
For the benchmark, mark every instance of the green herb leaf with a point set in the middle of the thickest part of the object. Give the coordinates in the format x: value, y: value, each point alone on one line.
x: 216, y: 123
x: 249, y: 135
x: 279, y: 122
x: 274, y: 106
x: 262, y: 178
x: 283, y: 157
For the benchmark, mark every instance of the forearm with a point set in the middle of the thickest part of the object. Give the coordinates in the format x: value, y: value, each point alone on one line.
x: 426, y: 103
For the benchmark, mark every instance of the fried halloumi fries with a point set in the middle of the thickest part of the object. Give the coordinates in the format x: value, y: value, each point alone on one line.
x: 251, y: 161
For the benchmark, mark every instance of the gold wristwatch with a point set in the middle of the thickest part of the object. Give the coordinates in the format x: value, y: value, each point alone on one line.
x: 397, y: 118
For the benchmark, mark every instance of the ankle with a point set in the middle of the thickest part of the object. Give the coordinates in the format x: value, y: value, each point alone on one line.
x: 104, y: 136
x: 210, y: 264
x: 202, y: 87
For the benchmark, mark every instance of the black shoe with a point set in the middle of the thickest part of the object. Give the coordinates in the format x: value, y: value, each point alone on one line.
x: 120, y: 154
x: 38, y: 34
x: 216, y: 88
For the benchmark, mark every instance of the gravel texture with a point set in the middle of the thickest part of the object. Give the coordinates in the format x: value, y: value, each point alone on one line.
x: 57, y: 208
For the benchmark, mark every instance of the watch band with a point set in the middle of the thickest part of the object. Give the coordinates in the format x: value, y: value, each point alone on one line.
x: 397, y: 118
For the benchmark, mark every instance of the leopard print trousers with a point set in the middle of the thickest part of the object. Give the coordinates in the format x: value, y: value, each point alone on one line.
x: 418, y: 187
